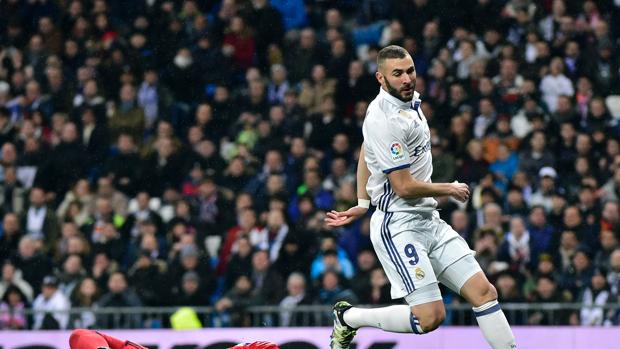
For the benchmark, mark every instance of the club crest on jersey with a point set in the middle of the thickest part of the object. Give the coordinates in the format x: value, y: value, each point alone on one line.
x: 419, y: 273
x: 396, y: 150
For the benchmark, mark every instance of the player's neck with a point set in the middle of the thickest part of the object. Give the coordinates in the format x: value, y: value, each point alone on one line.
x: 397, y: 101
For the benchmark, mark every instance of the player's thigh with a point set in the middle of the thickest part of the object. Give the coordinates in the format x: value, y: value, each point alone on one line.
x: 402, y: 252
x: 458, y: 273
x: 452, y: 259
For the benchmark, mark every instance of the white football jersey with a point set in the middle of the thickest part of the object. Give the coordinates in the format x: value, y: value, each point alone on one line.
x: 396, y: 136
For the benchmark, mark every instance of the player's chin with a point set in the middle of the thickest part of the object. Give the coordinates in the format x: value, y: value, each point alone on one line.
x: 406, y: 94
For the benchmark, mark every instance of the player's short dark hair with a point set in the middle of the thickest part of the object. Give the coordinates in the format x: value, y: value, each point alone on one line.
x: 389, y: 52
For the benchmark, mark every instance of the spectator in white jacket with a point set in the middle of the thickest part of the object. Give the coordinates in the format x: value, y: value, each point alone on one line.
x: 555, y: 84
x: 13, y: 276
x: 51, y: 306
x: 593, y: 298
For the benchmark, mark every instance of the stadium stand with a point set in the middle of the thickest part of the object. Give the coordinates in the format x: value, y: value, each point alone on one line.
x: 160, y: 153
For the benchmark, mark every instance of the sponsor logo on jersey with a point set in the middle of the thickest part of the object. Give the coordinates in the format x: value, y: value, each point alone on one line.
x: 396, y: 150
x: 419, y: 273
x: 421, y: 149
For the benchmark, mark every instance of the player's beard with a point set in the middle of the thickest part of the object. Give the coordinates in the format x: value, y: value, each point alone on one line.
x: 398, y: 92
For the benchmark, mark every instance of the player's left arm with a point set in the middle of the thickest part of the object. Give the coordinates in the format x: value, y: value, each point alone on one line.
x: 337, y: 219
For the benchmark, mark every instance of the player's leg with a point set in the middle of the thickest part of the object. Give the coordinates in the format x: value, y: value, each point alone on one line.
x: 479, y: 292
x: 407, y: 266
x: 457, y: 268
x: 424, y: 315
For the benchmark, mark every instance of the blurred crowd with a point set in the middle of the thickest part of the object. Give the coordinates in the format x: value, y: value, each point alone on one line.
x: 164, y: 153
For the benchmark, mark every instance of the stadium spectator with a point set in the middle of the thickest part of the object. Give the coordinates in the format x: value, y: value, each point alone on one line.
x: 12, y: 277
x: 11, y: 234
x: 146, y: 276
x: 293, y: 256
x: 331, y: 289
x: 51, y: 306
x: 12, y: 308
x: 191, y: 292
x: 71, y: 274
x: 119, y: 295
x: 233, y: 303
x: 595, y: 294
x: 190, y: 258
x: 297, y: 294
x: 268, y: 284
x: 85, y: 294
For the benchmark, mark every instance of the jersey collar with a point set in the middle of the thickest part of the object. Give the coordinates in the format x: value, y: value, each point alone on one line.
x: 414, y: 103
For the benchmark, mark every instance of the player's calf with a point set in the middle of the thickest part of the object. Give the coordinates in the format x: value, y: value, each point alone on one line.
x: 491, y: 319
x: 429, y: 316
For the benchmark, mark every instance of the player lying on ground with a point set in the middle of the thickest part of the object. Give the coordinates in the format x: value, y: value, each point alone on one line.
x: 415, y: 247
x: 89, y: 339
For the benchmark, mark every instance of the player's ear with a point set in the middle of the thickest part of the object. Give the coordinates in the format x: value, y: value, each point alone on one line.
x: 379, y: 77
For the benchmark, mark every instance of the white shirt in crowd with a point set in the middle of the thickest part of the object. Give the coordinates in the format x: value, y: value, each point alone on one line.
x: 57, y: 305
x: 554, y: 86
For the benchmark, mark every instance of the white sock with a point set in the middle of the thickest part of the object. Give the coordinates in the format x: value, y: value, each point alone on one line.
x: 395, y: 318
x: 494, y: 326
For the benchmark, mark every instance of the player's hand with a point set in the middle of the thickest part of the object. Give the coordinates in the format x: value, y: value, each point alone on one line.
x: 338, y: 219
x: 460, y: 191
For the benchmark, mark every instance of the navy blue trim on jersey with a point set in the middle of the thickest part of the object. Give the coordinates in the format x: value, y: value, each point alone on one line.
x: 390, y: 252
x: 395, y: 250
x: 390, y: 170
x: 383, y: 196
x: 390, y: 195
x: 414, y: 323
x: 384, y: 199
x: 491, y: 310
x: 416, y: 104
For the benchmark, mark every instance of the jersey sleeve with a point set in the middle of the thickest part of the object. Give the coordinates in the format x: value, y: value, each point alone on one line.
x: 388, y: 144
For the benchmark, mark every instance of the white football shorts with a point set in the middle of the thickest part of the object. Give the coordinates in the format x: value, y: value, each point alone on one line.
x: 415, y: 248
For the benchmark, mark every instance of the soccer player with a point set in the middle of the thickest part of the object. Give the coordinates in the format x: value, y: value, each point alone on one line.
x: 415, y: 247
x: 89, y: 339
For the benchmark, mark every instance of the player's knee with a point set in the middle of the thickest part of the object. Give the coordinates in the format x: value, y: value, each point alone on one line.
x: 490, y: 293
x: 430, y: 322
x: 485, y: 294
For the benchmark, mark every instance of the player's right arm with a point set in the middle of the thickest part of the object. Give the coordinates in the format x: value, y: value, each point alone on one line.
x: 337, y: 219
x: 407, y: 187
x: 387, y: 137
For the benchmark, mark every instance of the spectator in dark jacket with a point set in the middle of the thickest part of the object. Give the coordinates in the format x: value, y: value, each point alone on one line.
x: 95, y: 139
x: 547, y: 291
x: 148, y: 279
x: 232, y: 306
x: 68, y: 160
x: 191, y: 259
x: 124, y: 166
x: 268, y: 284
x: 191, y: 292
x: 240, y: 262
x: 119, y: 295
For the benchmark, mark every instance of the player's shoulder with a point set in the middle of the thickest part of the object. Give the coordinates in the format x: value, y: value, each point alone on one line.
x: 380, y: 109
